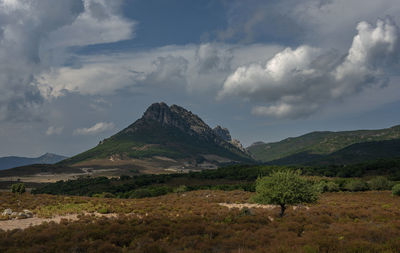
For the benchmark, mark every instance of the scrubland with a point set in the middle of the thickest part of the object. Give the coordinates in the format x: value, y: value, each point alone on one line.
x: 195, y: 222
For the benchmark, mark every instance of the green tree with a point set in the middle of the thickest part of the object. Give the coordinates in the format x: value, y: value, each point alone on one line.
x: 285, y: 188
x: 396, y: 190
x: 379, y: 183
x: 355, y: 185
x: 18, y: 188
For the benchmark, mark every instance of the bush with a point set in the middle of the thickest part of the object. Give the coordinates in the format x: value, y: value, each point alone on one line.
x: 181, y: 189
x: 18, y: 188
x: 284, y: 188
x: 103, y: 210
x: 379, y: 183
x: 396, y: 190
x: 332, y: 187
x: 356, y: 185
x: 329, y: 186
x: 107, y: 195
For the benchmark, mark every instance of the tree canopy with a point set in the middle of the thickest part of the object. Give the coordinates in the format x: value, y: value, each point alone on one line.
x: 285, y: 188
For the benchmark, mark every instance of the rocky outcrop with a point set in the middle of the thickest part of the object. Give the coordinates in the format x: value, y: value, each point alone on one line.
x: 173, y: 116
x: 9, y: 214
x: 223, y: 133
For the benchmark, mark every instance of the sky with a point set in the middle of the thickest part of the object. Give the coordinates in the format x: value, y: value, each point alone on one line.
x: 74, y: 72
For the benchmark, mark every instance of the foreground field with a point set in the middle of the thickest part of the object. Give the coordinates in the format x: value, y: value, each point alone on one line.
x: 196, y: 222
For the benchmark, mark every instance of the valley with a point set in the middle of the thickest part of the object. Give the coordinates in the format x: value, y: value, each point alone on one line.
x: 170, y: 183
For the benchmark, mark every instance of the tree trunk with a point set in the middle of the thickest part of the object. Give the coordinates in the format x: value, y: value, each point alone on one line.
x: 283, y: 208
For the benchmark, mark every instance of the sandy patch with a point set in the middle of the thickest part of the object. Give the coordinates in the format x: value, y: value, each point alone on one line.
x: 269, y: 207
x: 163, y: 158
x: 247, y: 205
x: 25, y: 223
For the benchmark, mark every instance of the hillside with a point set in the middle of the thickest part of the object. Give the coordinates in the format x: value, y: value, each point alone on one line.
x: 16, y: 161
x: 319, y: 143
x: 169, y: 137
x: 356, y: 153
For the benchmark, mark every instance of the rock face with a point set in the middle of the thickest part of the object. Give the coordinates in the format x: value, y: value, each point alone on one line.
x: 224, y: 134
x: 173, y: 116
x: 167, y: 131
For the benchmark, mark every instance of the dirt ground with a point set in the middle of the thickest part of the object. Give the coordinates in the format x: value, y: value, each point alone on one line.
x: 34, y: 221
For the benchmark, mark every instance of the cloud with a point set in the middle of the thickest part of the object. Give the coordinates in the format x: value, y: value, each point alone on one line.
x: 35, y: 36
x: 191, y: 68
x: 99, y: 23
x: 298, y: 82
x: 52, y: 130
x: 97, y: 128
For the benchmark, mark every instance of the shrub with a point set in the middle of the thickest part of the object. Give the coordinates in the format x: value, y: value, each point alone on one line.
x: 103, y: 210
x: 332, y: 187
x: 379, y: 183
x: 329, y: 186
x: 284, y: 188
x: 396, y: 190
x: 104, y: 195
x: 356, y: 185
x: 322, y: 187
x: 18, y: 188
x: 181, y: 189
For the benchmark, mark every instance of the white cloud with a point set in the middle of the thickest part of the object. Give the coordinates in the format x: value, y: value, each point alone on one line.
x: 99, y: 23
x: 35, y: 35
x: 52, y: 130
x: 296, y: 83
x: 97, y: 128
x: 190, y: 68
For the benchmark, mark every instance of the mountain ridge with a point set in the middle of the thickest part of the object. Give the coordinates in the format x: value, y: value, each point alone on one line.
x: 8, y: 162
x: 319, y: 143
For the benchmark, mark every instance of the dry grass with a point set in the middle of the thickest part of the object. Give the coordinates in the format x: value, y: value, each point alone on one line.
x: 195, y: 222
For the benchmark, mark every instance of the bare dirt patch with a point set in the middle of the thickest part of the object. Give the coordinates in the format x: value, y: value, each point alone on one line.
x: 248, y: 205
x: 34, y: 221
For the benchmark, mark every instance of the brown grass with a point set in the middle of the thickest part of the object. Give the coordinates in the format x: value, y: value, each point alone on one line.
x: 195, y: 222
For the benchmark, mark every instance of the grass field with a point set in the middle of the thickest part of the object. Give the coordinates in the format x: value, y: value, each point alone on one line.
x: 195, y: 222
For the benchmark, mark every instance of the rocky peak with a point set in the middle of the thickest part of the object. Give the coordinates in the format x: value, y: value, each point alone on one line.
x: 176, y: 116
x: 158, y: 112
x: 223, y: 133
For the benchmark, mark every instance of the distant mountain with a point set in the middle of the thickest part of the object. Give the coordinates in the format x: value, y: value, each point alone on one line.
x: 15, y: 161
x: 317, y: 144
x: 356, y: 153
x: 167, y: 136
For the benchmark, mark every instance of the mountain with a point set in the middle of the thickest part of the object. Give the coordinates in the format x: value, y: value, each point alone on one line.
x: 356, y: 153
x: 16, y: 161
x: 226, y: 136
x: 165, y: 137
x: 319, y: 144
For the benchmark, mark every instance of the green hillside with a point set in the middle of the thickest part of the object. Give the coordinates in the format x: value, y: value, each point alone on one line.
x: 356, y: 153
x: 171, y: 132
x: 319, y: 143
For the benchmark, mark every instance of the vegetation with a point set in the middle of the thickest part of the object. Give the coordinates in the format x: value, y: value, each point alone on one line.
x: 382, y: 167
x: 228, y: 178
x: 195, y: 222
x: 284, y: 188
x: 18, y: 188
x: 320, y: 143
x: 380, y: 183
x: 396, y: 190
x: 355, y: 153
